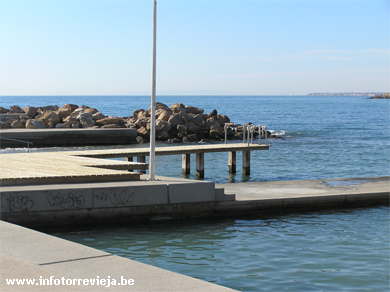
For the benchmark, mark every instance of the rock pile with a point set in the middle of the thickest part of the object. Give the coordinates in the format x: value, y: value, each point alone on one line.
x: 178, y: 123
x: 381, y: 96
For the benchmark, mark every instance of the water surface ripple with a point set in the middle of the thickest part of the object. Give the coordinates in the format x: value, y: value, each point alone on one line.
x: 341, y: 250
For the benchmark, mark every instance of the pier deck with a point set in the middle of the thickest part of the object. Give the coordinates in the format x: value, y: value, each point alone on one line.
x: 87, y: 165
x: 185, y: 151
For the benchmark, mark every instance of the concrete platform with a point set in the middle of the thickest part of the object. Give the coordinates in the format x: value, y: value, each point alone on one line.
x: 28, y: 254
x: 282, y: 196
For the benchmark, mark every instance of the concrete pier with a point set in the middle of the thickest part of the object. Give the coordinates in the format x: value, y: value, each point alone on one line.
x: 27, y: 254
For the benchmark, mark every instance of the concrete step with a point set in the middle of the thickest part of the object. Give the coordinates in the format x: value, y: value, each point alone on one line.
x: 221, y: 196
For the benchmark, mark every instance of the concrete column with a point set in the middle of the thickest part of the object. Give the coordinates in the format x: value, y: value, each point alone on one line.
x: 246, y: 162
x: 200, y: 165
x: 143, y: 160
x: 232, y: 162
x: 185, y: 164
x: 129, y: 159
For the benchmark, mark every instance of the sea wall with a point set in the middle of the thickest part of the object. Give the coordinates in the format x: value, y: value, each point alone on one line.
x: 178, y: 123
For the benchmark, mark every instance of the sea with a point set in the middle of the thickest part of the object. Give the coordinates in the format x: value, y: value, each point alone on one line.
x: 319, y: 137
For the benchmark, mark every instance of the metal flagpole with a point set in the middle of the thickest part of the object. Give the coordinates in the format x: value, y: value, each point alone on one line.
x: 152, y: 162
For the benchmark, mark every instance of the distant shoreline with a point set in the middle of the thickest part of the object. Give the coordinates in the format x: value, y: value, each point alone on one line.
x: 345, y: 94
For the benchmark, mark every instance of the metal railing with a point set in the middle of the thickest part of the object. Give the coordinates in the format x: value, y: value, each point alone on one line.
x: 249, y: 132
x: 21, y: 141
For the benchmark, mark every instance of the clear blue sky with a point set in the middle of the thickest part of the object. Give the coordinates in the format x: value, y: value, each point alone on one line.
x: 203, y: 47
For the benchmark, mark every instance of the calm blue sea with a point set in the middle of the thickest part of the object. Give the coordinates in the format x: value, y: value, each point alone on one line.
x: 323, y: 137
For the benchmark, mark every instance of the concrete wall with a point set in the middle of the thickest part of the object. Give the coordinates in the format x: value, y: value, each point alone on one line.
x: 104, y: 201
x: 67, y: 137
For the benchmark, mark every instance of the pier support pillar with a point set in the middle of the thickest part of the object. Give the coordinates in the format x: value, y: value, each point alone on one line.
x: 185, y: 164
x: 232, y: 162
x: 129, y: 159
x: 200, y: 165
x: 143, y: 160
x: 246, y: 162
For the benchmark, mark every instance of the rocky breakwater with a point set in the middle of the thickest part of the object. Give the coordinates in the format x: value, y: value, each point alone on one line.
x: 178, y: 123
x: 381, y: 96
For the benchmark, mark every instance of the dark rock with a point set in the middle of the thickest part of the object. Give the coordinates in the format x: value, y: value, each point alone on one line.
x: 194, y: 110
x: 4, y: 125
x: 213, y: 114
x: 3, y: 110
x: 162, y: 126
x: 175, y: 120
x: 16, y: 109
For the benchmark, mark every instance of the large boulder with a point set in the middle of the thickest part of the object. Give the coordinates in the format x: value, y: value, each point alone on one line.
x: 181, y: 130
x: 162, y: 136
x: 35, y: 124
x: 198, y: 120
x: 43, y: 109
x: 91, y: 110
x: 192, y: 127
x: 31, y: 111
x: 4, y: 125
x: 159, y: 105
x: 62, y: 113
x: 194, y: 110
x: 110, y: 120
x: 97, y: 116
x: 16, y: 109
x: 70, y: 107
x: 162, y: 114
x: 138, y: 113
x: 86, y: 120
x: 162, y: 126
x: 3, y: 110
x: 17, y: 124
x: 143, y: 132
x: 141, y: 122
x: 178, y: 105
x: 215, y: 132
x: 223, y: 119
x: 77, y: 112
x: 175, y: 120
x: 48, y: 117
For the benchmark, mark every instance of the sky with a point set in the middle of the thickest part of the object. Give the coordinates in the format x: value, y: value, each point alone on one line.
x: 204, y: 47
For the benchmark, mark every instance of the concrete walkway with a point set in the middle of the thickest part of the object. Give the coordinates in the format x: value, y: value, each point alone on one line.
x: 28, y: 254
x: 305, y: 194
